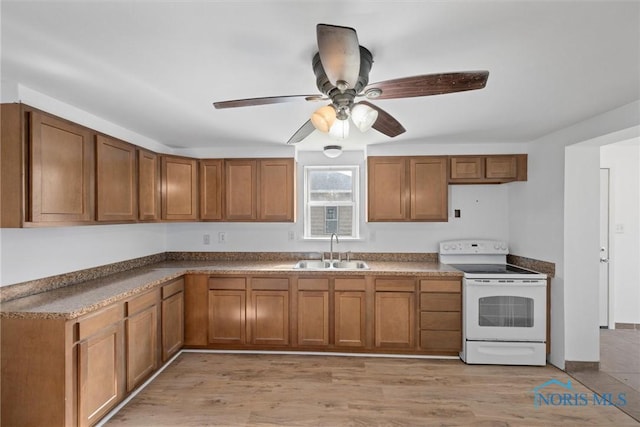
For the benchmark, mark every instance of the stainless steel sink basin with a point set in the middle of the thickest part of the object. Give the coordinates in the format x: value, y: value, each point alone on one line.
x: 350, y: 265
x: 314, y: 264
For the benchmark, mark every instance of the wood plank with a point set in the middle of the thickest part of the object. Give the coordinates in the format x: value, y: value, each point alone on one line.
x: 212, y: 389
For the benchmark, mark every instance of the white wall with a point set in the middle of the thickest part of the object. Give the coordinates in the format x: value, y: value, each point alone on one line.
x: 484, y: 211
x: 32, y: 253
x: 623, y: 161
x: 537, y: 221
x: 28, y: 254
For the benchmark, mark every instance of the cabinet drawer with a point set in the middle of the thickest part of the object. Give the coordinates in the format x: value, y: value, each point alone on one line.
x: 396, y: 285
x: 172, y: 288
x: 440, y: 285
x: 232, y: 283
x: 441, y: 340
x: 94, y: 323
x: 441, y: 320
x: 141, y: 302
x: 313, y: 284
x: 349, y: 284
x: 270, y: 284
x: 433, y: 301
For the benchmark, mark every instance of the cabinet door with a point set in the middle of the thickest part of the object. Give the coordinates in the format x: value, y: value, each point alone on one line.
x: 501, y: 167
x: 100, y: 373
x: 429, y: 188
x: 211, y: 186
x: 142, y: 345
x: 115, y: 180
x: 269, y: 317
x: 241, y: 190
x: 387, y: 189
x: 227, y: 316
x: 467, y: 168
x: 62, y: 171
x: 148, y: 186
x: 394, y: 319
x: 179, y: 188
x: 313, y: 318
x: 276, y: 193
x: 172, y: 325
x: 349, y: 312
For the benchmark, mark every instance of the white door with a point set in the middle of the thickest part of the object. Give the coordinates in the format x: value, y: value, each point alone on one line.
x: 604, y: 248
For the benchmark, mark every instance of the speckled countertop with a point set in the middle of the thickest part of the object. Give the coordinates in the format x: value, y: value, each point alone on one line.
x: 72, y: 301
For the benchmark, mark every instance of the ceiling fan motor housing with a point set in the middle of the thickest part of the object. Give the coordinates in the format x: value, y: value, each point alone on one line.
x: 343, y: 99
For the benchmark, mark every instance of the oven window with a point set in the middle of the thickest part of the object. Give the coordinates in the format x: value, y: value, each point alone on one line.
x: 506, y: 311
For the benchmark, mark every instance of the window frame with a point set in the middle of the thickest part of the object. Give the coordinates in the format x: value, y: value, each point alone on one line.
x: 354, y: 203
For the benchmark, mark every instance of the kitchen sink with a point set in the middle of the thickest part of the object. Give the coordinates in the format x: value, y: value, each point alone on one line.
x: 314, y: 264
x: 350, y: 265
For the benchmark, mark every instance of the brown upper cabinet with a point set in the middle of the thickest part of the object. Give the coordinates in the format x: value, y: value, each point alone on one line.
x: 47, y: 169
x: 211, y: 189
x: 179, y: 188
x: 407, y: 188
x: 493, y: 169
x: 116, y: 180
x: 148, y: 185
x: 259, y: 189
x: 276, y: 190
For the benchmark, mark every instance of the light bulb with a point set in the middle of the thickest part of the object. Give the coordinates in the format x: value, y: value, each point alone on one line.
x: 323, y: 118
x: 363, y: 116
x: 340, y: 129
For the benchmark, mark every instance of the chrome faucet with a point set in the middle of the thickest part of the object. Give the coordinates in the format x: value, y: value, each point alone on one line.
x: 331, y: 245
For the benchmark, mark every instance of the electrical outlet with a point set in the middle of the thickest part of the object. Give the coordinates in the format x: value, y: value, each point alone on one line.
x: 222, y: 237
x: 292, y: 235
x: 206, y: 239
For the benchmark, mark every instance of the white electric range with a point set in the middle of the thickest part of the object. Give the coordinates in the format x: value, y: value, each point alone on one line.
x: 503, y: 306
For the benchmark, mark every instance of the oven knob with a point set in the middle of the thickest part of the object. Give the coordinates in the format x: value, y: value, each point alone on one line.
x: 445, y: 247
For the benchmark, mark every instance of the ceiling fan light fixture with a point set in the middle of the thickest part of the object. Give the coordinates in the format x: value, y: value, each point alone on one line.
x: 339, y: 130
x: 363, y: 116
x: 332, y: 151
x: 324, y: 118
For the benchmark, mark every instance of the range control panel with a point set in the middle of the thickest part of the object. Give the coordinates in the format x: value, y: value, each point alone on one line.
x: 468, y: 247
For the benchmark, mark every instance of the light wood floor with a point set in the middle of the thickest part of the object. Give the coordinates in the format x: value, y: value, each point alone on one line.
x: 200, y: 389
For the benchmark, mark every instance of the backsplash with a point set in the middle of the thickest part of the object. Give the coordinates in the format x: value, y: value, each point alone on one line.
x: 32, y: 287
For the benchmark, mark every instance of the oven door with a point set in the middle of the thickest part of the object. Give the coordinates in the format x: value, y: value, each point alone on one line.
x: 505, y: 310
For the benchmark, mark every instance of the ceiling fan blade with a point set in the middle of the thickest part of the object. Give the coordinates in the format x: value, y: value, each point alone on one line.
x: 385, y: 123
x: 304, y: 131
x: 266, y: 100
x: 339, y: 51
x: 428, y: 84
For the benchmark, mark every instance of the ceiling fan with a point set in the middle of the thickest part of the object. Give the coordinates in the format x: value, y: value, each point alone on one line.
x: 342, y: 68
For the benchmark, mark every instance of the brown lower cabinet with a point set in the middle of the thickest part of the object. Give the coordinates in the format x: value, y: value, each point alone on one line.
x: 59, y: 372
x: 142, y: 330
x: 91, y: 363
x: 324, y: 312
x: 101, y: 363
x: 172, y: 318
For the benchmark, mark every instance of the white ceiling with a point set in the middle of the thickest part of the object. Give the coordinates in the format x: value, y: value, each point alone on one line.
x: 155, y: 67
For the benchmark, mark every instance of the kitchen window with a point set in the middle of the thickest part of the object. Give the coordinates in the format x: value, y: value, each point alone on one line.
x: 331, y: 201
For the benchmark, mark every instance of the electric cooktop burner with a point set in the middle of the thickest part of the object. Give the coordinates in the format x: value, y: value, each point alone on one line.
x: 497, y: 269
